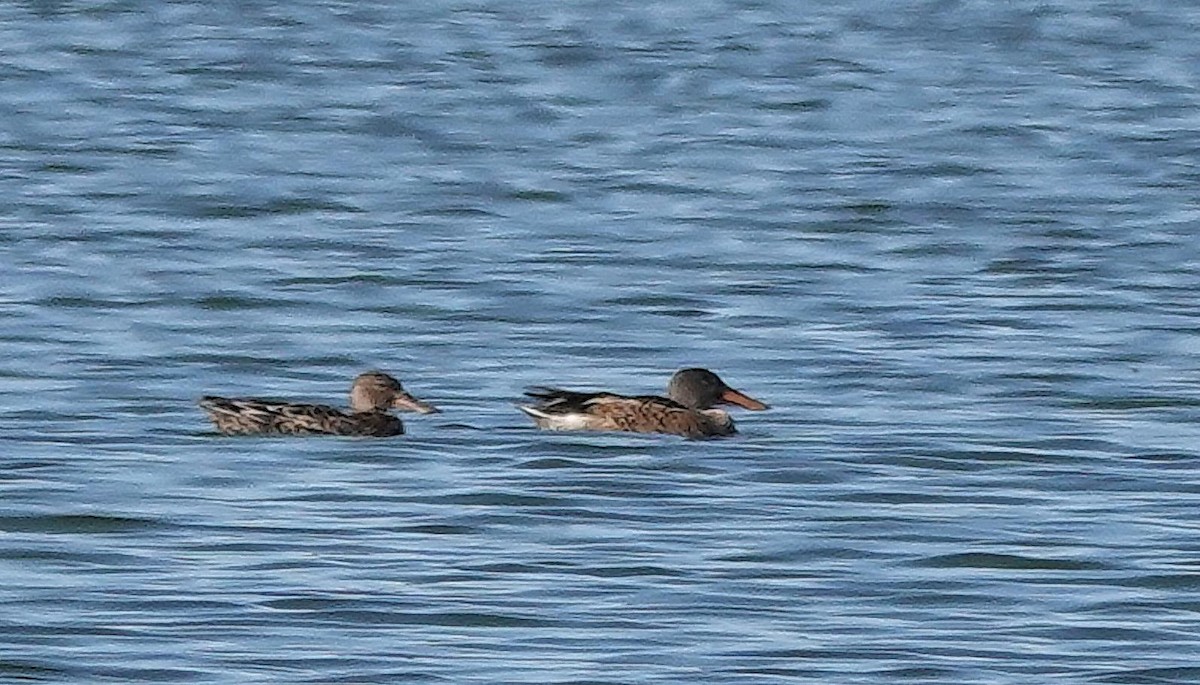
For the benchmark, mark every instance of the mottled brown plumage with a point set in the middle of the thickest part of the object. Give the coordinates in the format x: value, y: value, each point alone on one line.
x: 371, y: 396
x: 687, y: 412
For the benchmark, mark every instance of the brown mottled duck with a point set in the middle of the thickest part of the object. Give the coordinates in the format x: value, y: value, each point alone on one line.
x: 372, y: 395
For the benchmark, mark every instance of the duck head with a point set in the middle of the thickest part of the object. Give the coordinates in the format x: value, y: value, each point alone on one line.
x: 703, y: 389
x: 377, y: 391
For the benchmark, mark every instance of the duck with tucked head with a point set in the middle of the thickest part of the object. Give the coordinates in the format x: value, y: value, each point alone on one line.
x: 372, y: 395
x: 687, y: 410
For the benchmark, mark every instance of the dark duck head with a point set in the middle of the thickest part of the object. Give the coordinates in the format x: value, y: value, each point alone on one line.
x: 703, y: 389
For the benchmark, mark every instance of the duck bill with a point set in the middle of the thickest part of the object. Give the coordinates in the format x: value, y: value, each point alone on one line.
x: 741, y: 399
x: 406, y: 402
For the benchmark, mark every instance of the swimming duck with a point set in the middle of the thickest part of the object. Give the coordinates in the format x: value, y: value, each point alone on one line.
x: 371, y: 396
x: 686, y: 410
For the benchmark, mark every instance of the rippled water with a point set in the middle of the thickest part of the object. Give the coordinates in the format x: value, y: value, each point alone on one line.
x: 953, y: 244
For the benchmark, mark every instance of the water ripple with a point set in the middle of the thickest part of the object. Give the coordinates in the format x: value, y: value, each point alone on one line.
x: 953, y: 246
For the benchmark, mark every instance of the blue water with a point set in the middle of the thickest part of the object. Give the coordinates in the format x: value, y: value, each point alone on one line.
x: 953, y: 244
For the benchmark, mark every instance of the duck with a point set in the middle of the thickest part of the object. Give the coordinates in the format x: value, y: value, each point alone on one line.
x: 686, y: 411
x: 372, y: 395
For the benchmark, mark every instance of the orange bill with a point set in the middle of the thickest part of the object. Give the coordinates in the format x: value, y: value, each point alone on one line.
x: 406, y: 402
x: 742, y: 400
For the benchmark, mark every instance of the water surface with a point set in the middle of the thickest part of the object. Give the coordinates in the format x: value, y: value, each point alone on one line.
x: 951, y: 243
